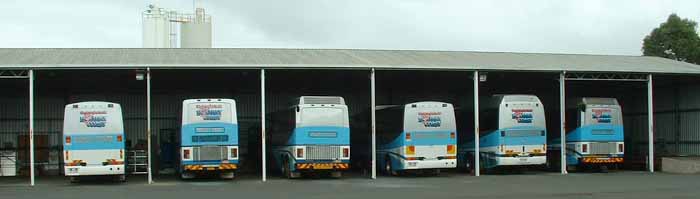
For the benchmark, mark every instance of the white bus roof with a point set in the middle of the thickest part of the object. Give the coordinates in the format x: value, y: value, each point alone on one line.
x: 187, y: 101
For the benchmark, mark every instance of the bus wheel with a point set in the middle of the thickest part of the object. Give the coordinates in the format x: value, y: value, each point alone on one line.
x: 121, y: 178
x: 227, y: 175
x: 388, y: 168
x: 186, y: 175
x: 436, y: 172
x: 336, y: 174
x: 285, y: 168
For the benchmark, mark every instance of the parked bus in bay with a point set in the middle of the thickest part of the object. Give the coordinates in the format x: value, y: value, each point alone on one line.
x: 312, y: 136
x: 417, y: 137
x: 596, y: 140
x: 514, y: 133
x: 209, y: 138
x: 93, y: 140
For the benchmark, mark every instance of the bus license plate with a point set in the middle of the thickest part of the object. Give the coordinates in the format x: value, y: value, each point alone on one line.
x: 522, y: 159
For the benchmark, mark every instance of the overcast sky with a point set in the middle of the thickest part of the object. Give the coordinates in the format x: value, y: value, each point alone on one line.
x: 553, y: 26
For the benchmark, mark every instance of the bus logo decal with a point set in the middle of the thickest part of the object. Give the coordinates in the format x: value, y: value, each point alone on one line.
x: 601, y: 115
x: 209, y: 111
x: 522, y: 115
x: 93, y: 119
x: 430, y: 119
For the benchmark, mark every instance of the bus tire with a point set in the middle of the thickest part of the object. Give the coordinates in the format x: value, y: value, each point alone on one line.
x: 121, y: 178
x: 186, y: 175
x: 285, y: 168
x: 388, y: 168
x: 230, y: 175
x: 336, y: 174
x: 436, y: 172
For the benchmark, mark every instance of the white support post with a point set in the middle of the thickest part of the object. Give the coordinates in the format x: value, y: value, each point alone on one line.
x: 262, y: 124
x: 148, y: 123
x: 477, y: 164
x: 562, y: 120
x: 373, y: 106
x: 650, y: 116
x: 31, y: 127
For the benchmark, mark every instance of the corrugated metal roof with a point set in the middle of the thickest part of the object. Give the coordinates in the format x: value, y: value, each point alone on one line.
x: 336, y: 58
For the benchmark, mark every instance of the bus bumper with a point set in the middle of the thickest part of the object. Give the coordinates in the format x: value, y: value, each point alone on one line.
x: 430, y: 164
x: 602, y: 160
x: 210, y: 167
x: 513, y: 161
x: 322, y: 166
x: 94, y: 170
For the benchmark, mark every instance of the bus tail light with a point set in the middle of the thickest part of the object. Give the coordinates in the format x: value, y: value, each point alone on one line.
x: 119, y: 138
x: 411, y: 150
x: 121, y: 153
x: 346, y: 152
x: 234, y: 153
x: 300, y: 152
x: 453, y: 135
x: 584, y: 148
x: 66, y: 156
x: 451, y: 149
x: 186, y: 154
x: 408, y: 136
x: 621, y: 148
x: 68, y: 139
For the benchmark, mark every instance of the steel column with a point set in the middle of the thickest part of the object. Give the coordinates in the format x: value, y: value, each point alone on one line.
x: 31, y: 127
x: 262, y: 124
x: 373, y: 106
x: 148, y: 123
x: 562, y: 120
x: 477, y: 164
x: 650, y: 116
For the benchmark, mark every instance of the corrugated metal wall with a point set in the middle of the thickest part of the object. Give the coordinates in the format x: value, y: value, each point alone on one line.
x: 677, y: 120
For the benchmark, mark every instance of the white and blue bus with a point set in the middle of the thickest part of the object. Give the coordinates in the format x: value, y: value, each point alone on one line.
x: 312, y: 136
x: 93, y: 140
x: 515, y: 133
x: 209, y: 138
x: 416, y: 137
x: 597, y: 139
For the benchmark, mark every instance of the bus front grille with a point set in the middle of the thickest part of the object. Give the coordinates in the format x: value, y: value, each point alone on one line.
x: 323, y: 152
x: 210, y: 153
x: 603, y: 147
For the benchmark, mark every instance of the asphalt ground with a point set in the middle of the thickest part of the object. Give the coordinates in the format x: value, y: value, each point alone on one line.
x: 616, y: 184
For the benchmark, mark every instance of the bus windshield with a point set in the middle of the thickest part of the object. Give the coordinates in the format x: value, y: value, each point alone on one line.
x: 323, y: 117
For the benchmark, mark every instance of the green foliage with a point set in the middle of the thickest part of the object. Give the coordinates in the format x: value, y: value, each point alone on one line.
x: 674, y: 39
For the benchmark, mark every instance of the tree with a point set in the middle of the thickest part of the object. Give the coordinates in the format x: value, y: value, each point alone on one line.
x: 674, y: 39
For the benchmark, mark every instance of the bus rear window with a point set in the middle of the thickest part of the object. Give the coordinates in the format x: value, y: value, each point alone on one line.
x: 322, y: 117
